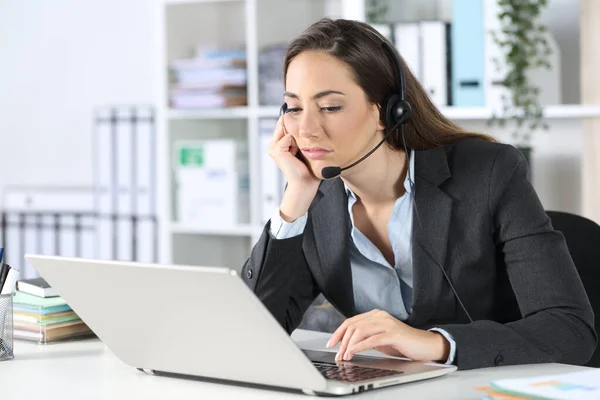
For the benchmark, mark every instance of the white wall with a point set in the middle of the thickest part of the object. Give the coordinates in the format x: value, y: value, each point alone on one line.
x: 59, y: 60
x: 562, y: 18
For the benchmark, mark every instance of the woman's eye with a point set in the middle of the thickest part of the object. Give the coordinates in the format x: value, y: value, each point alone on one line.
x: 292, y: 110
x: 331, y: 109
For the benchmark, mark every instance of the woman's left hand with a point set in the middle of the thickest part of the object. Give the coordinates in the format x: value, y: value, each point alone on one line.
x: 380, y: 331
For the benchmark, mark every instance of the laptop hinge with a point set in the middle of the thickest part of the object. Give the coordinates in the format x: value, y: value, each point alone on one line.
x: 146, y: 370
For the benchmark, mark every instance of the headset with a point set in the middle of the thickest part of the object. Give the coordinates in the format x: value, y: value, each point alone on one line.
x: 395, y: 112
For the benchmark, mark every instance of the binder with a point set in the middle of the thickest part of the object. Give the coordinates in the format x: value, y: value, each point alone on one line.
x: 46, y: 234
x: 125, y: 182
x: 104, y: 170
x: 212, y: 182
x: 407, y: 39
x: 145, y: 187
x: 87, y: 239
x: 126, y: 154
x: 467, y: 44
x: 144, y: 170
x: 104, y: 182
x: 68, y: 240
x: 435, y: 57
x: 495, y: 67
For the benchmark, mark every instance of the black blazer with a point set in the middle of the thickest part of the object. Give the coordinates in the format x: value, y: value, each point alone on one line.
x: 482, y: 220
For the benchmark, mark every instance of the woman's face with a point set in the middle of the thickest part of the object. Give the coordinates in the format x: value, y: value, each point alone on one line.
x: 328, y: 114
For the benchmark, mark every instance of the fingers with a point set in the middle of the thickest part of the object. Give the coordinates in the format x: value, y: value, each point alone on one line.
x: 356, y: 333
x: 345, y: 339
x: 372, y: 342
x: 365, y: 330
x: 341, y: 330
x: 279, y: 131
x: 281, y: 142
x: 293, y: 145
x: 358, y: 329
x: 286, y: 144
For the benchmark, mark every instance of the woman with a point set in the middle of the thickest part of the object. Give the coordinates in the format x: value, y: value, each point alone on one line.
x: 435, y: 247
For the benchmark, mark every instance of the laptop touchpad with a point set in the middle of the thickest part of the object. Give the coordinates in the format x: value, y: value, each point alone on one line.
x: 328, y: 357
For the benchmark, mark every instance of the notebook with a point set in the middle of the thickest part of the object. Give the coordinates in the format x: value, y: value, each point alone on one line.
x: 31, y: 300
x: 37, y: 287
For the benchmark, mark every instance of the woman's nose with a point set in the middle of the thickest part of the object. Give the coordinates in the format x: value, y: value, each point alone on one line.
x: 308, y: 125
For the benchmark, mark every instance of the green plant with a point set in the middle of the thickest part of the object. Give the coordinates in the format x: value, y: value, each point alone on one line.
x: 522, y: 41
x: 376, y: 11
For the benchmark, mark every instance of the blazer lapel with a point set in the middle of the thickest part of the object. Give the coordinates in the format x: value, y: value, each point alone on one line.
x: 330, y: 226
x: 431, y: 222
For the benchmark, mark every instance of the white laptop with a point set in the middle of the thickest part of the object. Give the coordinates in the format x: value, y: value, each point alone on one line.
x: 205, y: 323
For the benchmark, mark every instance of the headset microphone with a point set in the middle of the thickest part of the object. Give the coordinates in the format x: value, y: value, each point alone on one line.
x: 332, y: 172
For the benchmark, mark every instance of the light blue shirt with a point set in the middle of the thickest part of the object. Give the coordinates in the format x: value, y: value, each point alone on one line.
x: 376, y: 283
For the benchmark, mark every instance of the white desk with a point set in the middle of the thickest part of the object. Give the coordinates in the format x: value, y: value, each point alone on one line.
x: 88, y: 370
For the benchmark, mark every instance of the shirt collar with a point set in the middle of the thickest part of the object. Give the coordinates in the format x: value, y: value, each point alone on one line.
x: 407, y: 185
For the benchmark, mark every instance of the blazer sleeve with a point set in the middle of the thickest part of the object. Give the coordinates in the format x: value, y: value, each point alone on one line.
x: 557, y: 322
x: 277, y: 272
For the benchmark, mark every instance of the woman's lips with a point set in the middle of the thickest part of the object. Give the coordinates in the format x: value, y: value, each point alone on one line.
x: 315, y: 153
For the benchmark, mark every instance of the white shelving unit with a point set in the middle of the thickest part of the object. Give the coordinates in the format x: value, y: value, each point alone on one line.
x: 253, y: 24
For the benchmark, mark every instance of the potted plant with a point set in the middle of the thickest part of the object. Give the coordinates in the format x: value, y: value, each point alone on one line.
x: 522, y: 40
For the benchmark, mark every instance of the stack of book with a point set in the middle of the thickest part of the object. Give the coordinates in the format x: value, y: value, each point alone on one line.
x: 40, y: 315
x: 212, y: 79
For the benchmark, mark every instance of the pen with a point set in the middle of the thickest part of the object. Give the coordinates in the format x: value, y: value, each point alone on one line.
x: 3, y: 273
x: 9, y: 283
x: 1, y: 253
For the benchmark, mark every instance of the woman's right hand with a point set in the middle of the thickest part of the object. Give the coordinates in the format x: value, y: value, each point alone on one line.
x: 302, y: 184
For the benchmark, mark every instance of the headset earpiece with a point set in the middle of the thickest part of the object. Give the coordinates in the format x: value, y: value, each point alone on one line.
x: 403, y: 111
x: 395, y: 111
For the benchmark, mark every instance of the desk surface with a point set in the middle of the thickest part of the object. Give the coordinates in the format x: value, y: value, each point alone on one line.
x: 87, y: 369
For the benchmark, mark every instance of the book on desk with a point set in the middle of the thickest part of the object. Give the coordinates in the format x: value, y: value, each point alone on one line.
x: 37, y: 287
x: 46, y: 319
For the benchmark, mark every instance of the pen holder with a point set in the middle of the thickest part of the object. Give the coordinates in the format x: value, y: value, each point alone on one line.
x: 6, y: 327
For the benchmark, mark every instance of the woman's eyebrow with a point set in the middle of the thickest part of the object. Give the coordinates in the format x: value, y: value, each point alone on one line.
x: 316, y: 96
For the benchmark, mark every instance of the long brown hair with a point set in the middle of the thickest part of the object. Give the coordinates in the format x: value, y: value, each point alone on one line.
x: 359, y: 46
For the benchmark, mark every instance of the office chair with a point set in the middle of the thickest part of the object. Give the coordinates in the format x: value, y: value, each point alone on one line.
x: 583, y: 240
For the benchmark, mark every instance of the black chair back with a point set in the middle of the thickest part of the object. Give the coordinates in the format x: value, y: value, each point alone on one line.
x: 583, y: 240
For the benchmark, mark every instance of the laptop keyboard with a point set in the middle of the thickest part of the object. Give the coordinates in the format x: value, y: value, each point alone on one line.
x: 352, y: 373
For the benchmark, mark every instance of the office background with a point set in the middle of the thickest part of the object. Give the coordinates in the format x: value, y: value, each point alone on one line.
x: 62, y: 60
